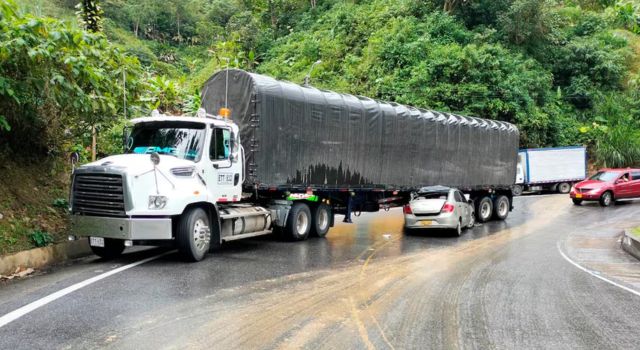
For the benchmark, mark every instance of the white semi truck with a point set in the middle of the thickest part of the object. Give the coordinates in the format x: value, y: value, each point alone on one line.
x: 278, y: 156
x: 550, y: 169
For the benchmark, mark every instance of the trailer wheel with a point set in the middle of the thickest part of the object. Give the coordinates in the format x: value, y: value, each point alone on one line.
x: 564, y: 187
x: 112, y: 248
x: 501, y: 207
x: 516, y: 190
x: 321, y: 221
x: 194, y: 234
x: 298, y: 222
x: 484, y: 209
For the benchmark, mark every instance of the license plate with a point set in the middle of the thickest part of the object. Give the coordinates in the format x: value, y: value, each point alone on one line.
x: 578, y: 195
x: 96, y: 242
x: 426, y: 223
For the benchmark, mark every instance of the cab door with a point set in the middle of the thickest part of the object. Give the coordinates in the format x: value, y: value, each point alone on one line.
x: 223, y: 171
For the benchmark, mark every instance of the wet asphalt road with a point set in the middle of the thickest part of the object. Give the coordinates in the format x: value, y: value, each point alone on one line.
x: 367, y: 285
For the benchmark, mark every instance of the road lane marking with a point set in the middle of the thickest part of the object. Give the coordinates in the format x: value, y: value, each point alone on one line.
x: 595, y: 273
x: 16, y: 314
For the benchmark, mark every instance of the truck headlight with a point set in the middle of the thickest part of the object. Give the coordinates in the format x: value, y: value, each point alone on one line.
x: 157, y: 202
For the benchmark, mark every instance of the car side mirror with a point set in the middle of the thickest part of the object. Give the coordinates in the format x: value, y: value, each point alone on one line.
x: 470, y: 201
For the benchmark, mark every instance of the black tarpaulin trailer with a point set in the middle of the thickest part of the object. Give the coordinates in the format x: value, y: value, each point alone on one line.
x: 298, y: 137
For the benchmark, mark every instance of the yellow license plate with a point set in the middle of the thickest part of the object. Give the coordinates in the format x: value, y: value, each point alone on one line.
x: 578, y: 195
x: 426, y: 222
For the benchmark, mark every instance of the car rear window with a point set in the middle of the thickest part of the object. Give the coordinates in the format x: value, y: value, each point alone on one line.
x: 433, y: 195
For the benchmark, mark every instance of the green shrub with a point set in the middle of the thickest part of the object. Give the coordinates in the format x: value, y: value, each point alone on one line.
x: 40, y: 238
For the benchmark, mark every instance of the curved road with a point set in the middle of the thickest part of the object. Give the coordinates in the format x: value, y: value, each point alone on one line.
x: 367, y: 285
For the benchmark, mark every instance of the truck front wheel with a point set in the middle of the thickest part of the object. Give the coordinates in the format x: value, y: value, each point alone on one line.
x: 112, y: 248
x: 517, y: 190
x: 321, y: 221
x: 298, y: 222
x: 194, y: 234
x: 484, y: 209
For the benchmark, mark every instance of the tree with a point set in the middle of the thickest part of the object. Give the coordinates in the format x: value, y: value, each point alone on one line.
x: 90, y: 15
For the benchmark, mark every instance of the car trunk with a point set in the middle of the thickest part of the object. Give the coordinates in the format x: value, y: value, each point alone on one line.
x: 427, y: 205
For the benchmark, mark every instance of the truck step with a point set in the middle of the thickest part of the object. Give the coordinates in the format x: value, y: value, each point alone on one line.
x: 246, y: 235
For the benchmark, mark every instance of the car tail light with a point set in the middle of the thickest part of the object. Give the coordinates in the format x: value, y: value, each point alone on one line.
x: 447, y: 208
x: 407, y: 209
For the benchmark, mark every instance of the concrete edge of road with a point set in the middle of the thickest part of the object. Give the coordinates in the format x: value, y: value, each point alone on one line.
x: 631, y: 244
x: 38, y: 258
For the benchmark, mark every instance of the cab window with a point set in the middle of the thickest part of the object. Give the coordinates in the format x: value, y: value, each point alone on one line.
x: 220, y: 147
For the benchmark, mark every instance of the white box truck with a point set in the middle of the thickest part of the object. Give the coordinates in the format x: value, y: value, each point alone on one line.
x: 553, y: 169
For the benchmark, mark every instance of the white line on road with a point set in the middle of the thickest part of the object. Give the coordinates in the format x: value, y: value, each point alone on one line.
x: 16, y: 314
x: 594, y: 273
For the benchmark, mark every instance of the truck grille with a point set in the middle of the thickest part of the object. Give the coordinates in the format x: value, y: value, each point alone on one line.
x: 98, y: 194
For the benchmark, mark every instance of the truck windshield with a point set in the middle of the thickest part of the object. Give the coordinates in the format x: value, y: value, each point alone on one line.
x: 183, y: 140
x: 604, y: 176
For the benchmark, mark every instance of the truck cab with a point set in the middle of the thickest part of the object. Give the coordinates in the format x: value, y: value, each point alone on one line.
x: 177, y: 180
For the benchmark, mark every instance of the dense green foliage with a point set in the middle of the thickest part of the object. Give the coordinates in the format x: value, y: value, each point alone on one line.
x: 566, y: 72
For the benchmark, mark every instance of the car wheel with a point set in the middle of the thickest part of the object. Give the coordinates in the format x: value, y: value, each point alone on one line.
x: 194, y: 235
x: 606, y: 199
x: 458, y: 230
x: 484, y: 209
x: 577, y: 201
x: 516, y: 190
x: 472, y: 221
x: 564, y: 187
x: 501, y: 207
x: 112, y: 248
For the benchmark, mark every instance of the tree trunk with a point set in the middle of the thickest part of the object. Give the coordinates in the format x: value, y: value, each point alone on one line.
x: 93, y: 143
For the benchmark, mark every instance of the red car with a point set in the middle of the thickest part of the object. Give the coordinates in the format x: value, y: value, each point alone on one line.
x: 607, y: 186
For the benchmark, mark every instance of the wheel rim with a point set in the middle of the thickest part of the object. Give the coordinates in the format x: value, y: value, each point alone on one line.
x: 323, y: 219
x: 485, y: 209
x: 472, y: 220
x: 564, y: 188
x: 201, y: 235
x: 607, y: 198
x: 502, y: 208
x: 459, y: 228
x: 302, y: 223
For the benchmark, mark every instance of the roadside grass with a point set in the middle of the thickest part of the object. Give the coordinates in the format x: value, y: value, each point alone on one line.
x: 636, y: 231
x: 32, y: 195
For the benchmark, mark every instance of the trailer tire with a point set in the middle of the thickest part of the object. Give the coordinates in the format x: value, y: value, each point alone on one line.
x: 501, y: 207
x: 517, y: 190
x: 112, y: 249
x: 298, y: 222
x: 321, y: 221
x: 564, y: 187
x: 484, y: 209
x: 193, y: 235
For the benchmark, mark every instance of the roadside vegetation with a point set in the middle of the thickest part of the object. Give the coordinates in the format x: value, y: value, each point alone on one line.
x: 566, y: 72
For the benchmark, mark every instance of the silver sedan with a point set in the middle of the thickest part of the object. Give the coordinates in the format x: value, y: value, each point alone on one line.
x: 439, y: 207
